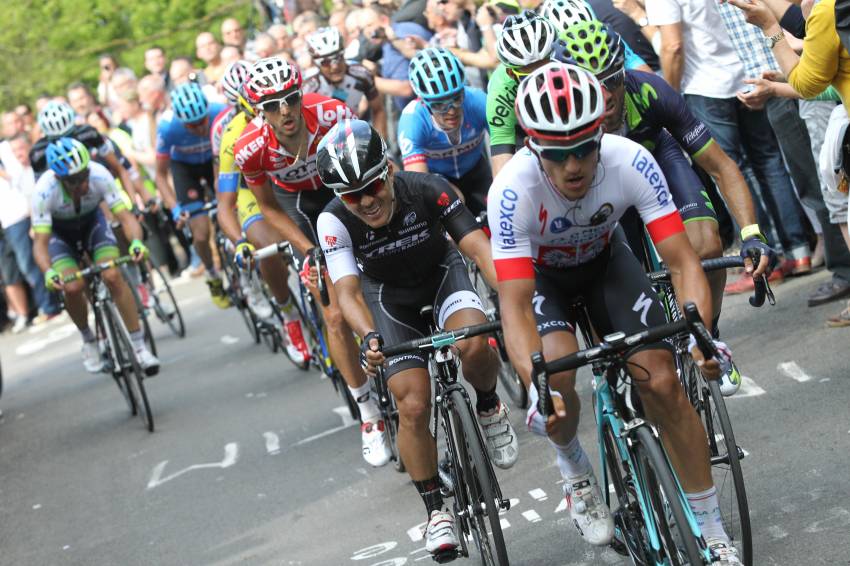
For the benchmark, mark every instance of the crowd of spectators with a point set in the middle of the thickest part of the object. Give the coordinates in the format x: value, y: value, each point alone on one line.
x: 766, y: 76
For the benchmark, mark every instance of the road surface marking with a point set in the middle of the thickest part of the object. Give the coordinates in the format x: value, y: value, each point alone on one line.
x: 513, y: 504
x: 345, y: 415
x: 748, y: 389
x: 531, y: 516
x: 538, y: 494
x: 272, y: 443
x: 228, y: 339
x: 838, y: 518
x: 231, y: 454
x: 562, y: 506
x: 795, y: 372
x: 417, y: 533
x: 504, y: 523
x: 776, y: 532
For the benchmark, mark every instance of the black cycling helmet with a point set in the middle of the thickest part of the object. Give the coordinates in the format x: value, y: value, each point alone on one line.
x: 350, y: 156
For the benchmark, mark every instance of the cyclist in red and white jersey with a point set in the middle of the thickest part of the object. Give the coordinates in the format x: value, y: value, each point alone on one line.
x: 277, y: 156
x: 553, y: 211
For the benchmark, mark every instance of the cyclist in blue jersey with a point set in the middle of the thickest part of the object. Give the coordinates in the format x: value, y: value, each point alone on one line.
x: 644, y: 108
x: 183, y: 147
x: 443, y: 130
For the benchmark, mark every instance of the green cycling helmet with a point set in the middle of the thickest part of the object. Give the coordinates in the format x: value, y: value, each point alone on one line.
x: 593, y: 46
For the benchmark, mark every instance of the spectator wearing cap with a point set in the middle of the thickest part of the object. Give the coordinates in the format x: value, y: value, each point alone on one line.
x: 208, y: 50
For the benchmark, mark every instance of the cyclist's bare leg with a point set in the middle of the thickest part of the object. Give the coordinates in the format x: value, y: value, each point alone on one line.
x: 123, y: 297
x: 75, y: 301
x: 557, y: 345
x: 418, y: 448
x: 273, y: 269
x: 704, y: 236
x: 200, y: 226
x: 666, y: 405
x: 480, y: 361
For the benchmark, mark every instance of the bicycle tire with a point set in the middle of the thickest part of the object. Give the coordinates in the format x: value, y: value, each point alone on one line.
x: 509, y: 378
x: 136, y: 379
x: 117, y: 369
x: 627, y: 518
x: 342, y: 389
x: 654, y: 473
x: 175, y: 321
x: 143, y: 317
x: 481, y: 485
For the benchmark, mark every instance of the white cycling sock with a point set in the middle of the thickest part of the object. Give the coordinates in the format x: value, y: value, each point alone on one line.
x: 706, y: 509
x: 368, y: 407
x: 138, y: 339
x: 572, y: 459
x: 88, y: 335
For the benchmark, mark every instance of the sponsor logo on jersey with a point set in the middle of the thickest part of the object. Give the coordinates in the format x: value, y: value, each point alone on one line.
x: 400, y: 245
x: 695, y: 133
x: 443, y: 199
x: 410, y: 218
x: 448, y: 210
x: 330, y: 240
x: 504, y: 107
x: 249, y: 149
x: 560, y: 224
x: 507, y: 209
x: 652, y: 173
x: 456, y: 150
x: 330, y: 116
x: 417, y: 226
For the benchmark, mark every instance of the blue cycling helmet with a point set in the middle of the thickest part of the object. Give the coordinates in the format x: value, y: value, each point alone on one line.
x: 436, y: 73
x: 189, y: 103
x: 67, y: 156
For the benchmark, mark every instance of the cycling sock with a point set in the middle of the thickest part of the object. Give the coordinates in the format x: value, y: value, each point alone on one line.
x: 706, y: 509
x: 288, y: 310
x: 212, y: 273
x: 368, y: 408
x: 138, y: 339
x: 715, y: 330
x: 87, y: 334
x: 429, y: 491
x: 572, y: 459
x: 486, y: 401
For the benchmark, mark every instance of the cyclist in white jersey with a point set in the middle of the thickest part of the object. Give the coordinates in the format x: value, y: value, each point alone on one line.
x: 553, y: 212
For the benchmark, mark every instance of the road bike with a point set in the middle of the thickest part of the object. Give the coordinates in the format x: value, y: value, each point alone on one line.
x: 477, y: 497
x: 653, y: 520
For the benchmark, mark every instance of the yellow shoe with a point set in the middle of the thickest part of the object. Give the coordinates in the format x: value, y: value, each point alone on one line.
x: 219, y: 297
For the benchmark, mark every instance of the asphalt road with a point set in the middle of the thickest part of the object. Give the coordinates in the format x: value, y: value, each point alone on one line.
x: 252, y: 464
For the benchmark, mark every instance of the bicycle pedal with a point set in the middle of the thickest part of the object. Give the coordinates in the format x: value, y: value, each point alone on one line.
x: 505, y: 504
x: 445, y: 556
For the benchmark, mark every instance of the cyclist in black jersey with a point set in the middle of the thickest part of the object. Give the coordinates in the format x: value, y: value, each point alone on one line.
x: 387, y: 255
x: 57, y: 120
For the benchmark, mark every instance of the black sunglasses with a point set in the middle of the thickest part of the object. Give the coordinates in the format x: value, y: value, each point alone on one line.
x: 77, y: 179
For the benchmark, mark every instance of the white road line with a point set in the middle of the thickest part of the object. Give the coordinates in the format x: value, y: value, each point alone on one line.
x: 514, y: 503
x: 231, y: 454
x: 228, y: 339
x: 748, y: 389
x: 322, y: 435
x: 776, y: 532
x: 538, y: 494
x: 795, y: 372
x: 272, y: 443
x: 505, y: 524
x: 417, y: 533
x: 562, y: 506
x: 531, y: 516
x: 344, y: 414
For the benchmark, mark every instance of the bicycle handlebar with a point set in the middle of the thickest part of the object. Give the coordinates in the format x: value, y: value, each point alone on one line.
x: 284, y: 248
x: 613, y: 346
x: 97, y: 268
x: 441, y: 339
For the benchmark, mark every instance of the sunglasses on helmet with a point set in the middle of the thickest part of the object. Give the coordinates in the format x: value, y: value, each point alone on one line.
x: 614, y: 80
x: 273, y: 106
x: 196, y: 123
x: 330, y: 60
x: 372, y: 189
x: 445, y: 105
x: 562, y: 153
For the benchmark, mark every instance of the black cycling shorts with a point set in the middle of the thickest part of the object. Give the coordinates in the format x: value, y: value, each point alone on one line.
x: 474, y: 185
x: 395, y: 309
x: 618, y: 295
x: 304, y: 208
x: 191, y: 183
x: 686, y: 188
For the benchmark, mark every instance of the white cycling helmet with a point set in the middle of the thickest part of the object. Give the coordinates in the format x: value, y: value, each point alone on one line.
x: 560, y: 102
x: 270, y: 76
x: 566, y: 13
x: 324, y: 42
x: 232, y: 80
x: 56, y: 119
x: 525, y: 39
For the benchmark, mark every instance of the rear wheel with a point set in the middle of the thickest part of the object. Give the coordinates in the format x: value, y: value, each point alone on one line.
x: 164, y: 301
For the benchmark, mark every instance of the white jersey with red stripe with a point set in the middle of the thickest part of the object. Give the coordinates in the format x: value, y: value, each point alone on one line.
x: 533, y: 224
x: 261, y: 157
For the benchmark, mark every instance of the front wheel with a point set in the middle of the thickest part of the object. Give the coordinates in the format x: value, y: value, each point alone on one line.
x: 479, y: 481
x: 130, y: 364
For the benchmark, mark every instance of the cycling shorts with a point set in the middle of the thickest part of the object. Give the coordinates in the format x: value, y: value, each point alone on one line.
x: 395, y: 309
x: 614, y: 288
x: 247, y: 209
x: 304, y: 207
x: 90, y: 233
x: 689, y: 195
x: 474, y: 185
x: 191, y: 183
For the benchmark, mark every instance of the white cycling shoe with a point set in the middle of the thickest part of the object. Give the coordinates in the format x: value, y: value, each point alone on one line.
x: 440, y: 535
x: 92, y: 360
x: 149, y: 362
x: 376, y: 447
x: 723, y: 553
x: 500, y: 436
x: 257, y: 301
x: 730, y: 382
x: 588, y: 510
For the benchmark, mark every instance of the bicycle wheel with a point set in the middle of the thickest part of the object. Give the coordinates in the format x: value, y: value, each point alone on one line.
x: 678, y: 545
x: 508, y: 376
x: 342, y: 389
x: 124, y: 348
x: 107, y: 335
x: 162, y: 305
x: 143, y: 317
x: 726, y: 459
x: 479, y: 480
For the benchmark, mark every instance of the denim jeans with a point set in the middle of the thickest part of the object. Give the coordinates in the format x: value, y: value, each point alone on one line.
x: 794, y: 136
x: 18, y: 238
x: 746, y: 136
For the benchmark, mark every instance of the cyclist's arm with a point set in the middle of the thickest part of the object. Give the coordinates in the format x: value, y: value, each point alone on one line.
x: 131, y: 227
x: 379, y: 115
x: 499, y: 160
x: 410, y: 139
x: 163, y: 182
x: 476, y: 246
x: 279, y: 219
x: 518, y: 324
x: 687, y: 275
x: 40, y: 252
x: 730, y: 182
x: 353, y: 305
x: 42, y: 226
x: 227, y: 217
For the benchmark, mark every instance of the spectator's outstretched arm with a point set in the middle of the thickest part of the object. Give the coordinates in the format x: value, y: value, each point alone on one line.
x: 393, y: 87
x: 481, y: 59
x: 672, y: 54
